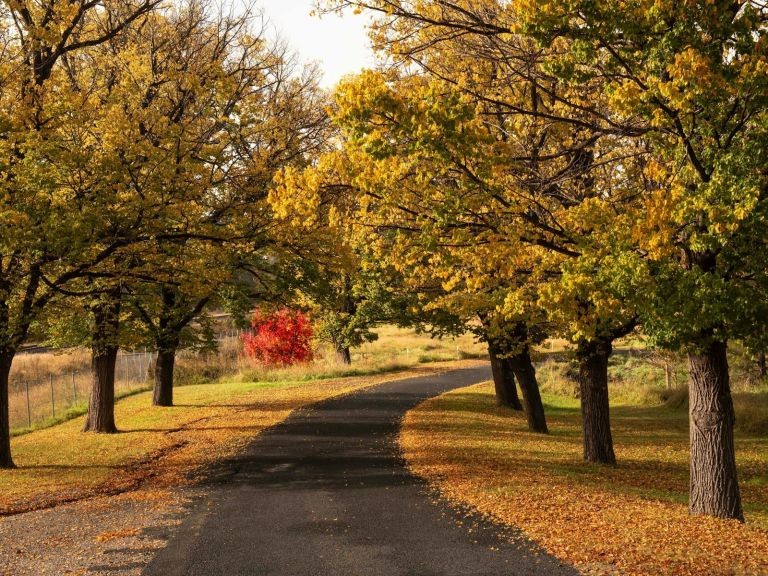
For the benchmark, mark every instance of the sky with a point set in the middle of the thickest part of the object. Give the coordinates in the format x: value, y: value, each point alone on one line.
x: 338, y: 44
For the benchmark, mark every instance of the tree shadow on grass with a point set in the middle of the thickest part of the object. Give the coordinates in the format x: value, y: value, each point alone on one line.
x: 267, y: 406
x: 252, y: 428
x: 651, y: 446
x: 72, y: 467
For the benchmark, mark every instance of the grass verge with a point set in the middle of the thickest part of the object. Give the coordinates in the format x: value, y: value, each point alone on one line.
x: 631, y: 519
x: 162, y: 446
x: 52, y: 387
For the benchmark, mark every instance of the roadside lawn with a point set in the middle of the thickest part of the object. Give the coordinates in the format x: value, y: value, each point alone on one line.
x: 162, y: 447
x: 628, y: 519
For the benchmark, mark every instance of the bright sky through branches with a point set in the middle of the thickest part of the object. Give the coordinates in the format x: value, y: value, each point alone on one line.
x: 339, y: 45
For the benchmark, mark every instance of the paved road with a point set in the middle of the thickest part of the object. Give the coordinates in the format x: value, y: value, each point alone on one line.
x: 325, y: 493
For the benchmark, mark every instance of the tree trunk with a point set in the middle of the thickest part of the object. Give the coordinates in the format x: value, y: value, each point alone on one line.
x: 504, y: 381
x: 344, y: 355
x: 104, y: 347
x: 529, y: 386
x: 6, y: 461
x: 595, y: 411
x: 167, y: 337
x: 101, y: 407
x: 164, y: 367
x: 714, y: 483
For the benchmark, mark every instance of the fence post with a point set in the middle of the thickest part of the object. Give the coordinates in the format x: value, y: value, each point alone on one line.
x: 29, y: 409
x: 74, y: 388
x: 53, y: 401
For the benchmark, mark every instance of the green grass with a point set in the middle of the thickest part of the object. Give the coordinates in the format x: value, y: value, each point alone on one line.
x: 209, y: 420
x: 396, y: 349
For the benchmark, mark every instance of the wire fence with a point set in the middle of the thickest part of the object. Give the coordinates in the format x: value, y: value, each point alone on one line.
x: 52, y: 385
x: 46, y: 388
x: 47, y: 385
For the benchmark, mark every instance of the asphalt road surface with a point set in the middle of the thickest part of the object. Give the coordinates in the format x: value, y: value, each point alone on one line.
x: 326, y: 493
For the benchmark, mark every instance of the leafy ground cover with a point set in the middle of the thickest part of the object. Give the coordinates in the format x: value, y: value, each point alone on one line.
x: 628, y: 519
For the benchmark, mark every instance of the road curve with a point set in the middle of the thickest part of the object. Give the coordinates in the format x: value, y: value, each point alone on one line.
x: 326, y: 493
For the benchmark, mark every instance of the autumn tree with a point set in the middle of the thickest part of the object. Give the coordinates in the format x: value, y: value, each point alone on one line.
x: 206, y: 110
x: 140, y: 169
x: 387, y: 200
x: 501, y: 368
x: 233, y: 108
x: 553, y: 159
x: 492, y: 206
x: 46, y: 235
x: 281, y: 338
x: 346, y: 307
x: 167, y: 312
x: 685, y: 85
x: 694, y: 77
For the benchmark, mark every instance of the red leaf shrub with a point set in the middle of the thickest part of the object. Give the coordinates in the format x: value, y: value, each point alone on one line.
x: 279, y: 338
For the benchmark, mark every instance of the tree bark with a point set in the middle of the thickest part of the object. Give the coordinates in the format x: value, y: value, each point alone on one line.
x: 344, y: 355
x: 176, y: 313
x: 104, y: 347
x: 6, y: 461
x: 714, y: 483
x: 503, y: 381
x: 595, y: 410
x: 525, y: 372
x: 162, y: 394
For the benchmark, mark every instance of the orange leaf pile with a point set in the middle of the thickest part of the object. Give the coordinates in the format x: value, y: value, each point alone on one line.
x: 631, y: 519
